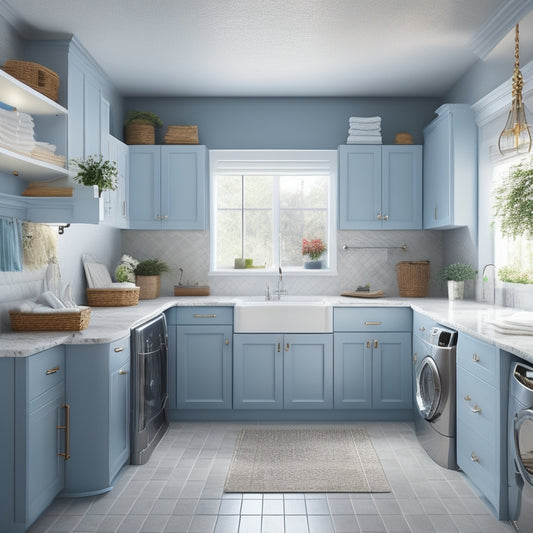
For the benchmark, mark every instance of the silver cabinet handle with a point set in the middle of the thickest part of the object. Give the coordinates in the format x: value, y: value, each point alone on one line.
x: 476, y: 358
x: 372, y: 323
x: 476, y: 409
x: 386, y: 217
x: 474, y: 458
x: 467, y: 398
x: 122, y: 372
x: 204, y: 316
x: 226, y: 342
x: 119, y: 349
x: 379, y: 216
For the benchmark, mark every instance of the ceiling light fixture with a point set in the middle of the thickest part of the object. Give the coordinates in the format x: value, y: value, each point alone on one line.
x: 515, y: 137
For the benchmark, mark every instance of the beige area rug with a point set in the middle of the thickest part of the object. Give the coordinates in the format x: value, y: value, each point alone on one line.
x: 305, y: 460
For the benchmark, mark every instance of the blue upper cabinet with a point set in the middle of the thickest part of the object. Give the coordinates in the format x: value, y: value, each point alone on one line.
x: 380, y: 187
x: 168, y: 187
x: 450, y: 169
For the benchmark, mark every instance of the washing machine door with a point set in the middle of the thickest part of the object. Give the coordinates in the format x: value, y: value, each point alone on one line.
x: 428, y: 388
x: 523, y: 438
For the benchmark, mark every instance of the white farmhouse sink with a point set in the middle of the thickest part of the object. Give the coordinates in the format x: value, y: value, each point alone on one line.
x: 289, y: 315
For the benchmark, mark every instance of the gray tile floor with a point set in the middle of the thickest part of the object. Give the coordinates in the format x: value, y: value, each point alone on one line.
x: 181, y: 490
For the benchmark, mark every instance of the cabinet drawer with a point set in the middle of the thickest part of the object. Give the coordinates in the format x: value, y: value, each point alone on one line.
x: 479, y: 358
x: 372, y: 319
x: 119, y: 353
x: 45, y: 371
x: 477, y: 404
x: 191, y: 316
x: 477, y: 458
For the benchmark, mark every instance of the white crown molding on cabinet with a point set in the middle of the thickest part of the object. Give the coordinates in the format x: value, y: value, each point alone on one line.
x: 495, y: 29
x: 499, y: 100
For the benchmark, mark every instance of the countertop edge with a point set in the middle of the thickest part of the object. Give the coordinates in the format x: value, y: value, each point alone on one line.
x: 109, y: 324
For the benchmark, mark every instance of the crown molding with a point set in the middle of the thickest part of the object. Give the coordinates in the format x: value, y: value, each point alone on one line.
x: 499, y: 99
x: 498, y: 25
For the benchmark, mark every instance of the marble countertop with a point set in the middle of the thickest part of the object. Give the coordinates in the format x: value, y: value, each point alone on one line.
x: 108, y: 324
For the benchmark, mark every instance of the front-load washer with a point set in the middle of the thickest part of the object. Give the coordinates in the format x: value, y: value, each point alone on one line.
x: 435, y: 383
x: 520, y: 448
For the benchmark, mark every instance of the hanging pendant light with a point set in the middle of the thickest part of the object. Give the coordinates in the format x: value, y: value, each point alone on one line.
x: 515, y: 137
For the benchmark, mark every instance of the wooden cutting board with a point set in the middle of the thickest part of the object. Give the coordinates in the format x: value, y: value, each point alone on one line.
x: 363, y: 294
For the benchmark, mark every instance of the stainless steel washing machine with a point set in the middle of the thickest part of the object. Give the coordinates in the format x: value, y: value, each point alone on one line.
x: 520, y: 447
x: 435, y: 383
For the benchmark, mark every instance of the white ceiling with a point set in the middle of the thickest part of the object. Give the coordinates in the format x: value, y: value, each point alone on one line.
x: 269, y: 47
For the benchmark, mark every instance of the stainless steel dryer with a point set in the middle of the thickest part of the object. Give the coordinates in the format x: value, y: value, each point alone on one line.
x: 435, y: 382
x: 521, y: 446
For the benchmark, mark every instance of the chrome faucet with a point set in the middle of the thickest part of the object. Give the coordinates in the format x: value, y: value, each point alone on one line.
x: 484, y: 279
x: 280, y: 290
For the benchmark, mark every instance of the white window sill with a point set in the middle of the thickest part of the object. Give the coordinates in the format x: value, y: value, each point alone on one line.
x: 263, y: 272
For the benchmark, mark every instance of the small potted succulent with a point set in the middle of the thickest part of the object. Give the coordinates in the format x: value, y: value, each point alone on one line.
x: 148, y: 277
x: 97, y: 172
x: 312, y: 251
x: 140, y: 127
x: 456, y: 275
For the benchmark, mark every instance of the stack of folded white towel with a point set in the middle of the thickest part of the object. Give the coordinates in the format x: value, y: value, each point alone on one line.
x: 17, y: 135
x: 364, y: 130
x: 16, y: 131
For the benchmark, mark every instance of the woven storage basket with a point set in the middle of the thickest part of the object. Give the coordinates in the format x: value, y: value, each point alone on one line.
x: 150, y: 286
x: 113, y: 297
x: 140, y: 133
x: 413, y: 278
x: 50, y: 321
x: 40, y: 78
x: 181, y: 135
x: 200, y: 290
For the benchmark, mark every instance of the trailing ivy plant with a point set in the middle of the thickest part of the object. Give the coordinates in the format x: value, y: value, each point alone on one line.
x: 513, y: 201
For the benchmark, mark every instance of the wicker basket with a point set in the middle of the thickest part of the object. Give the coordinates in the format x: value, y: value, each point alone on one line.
x: 150, y: 286
x: 113, y: 297
x: 199, y: 290
x: 182, y: 135
x: 50, y: 321
x: 40, y: 78
x: 140, y: 133
x: 413, y: 278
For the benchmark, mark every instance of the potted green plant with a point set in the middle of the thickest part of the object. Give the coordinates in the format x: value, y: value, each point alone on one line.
x: 97, y: 172
x: 148, y: 277
x: 513, y: 201
x: 312, y: 251
x: 456, y: 275
x: 140, y: 127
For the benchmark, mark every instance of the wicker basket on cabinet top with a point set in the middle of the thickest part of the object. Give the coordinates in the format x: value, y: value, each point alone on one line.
x: 182, y: 135
x: 36, y: 76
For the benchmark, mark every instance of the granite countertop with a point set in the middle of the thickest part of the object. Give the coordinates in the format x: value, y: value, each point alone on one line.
x: 108, y: 324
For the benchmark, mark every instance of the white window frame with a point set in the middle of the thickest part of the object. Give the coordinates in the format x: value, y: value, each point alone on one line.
x: 289, y: 162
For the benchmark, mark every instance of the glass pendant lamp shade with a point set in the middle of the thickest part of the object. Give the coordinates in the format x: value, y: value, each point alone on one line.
x: 516, y: 137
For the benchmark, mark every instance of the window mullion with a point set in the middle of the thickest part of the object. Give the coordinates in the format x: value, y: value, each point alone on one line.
x: 276, y: 201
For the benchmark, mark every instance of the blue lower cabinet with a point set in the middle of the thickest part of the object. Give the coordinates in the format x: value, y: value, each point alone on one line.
x: 203, y: 368
x: 257, y: 371
x: 98, y: 392
x: 373, y: 370
x: 308, y: 371
x: 275, y: 371
x: 33, y: 413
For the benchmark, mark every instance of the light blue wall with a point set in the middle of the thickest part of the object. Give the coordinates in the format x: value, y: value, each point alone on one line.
x: 278, y: 123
